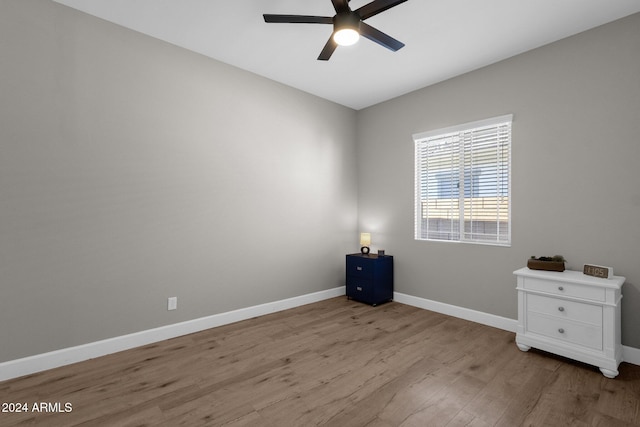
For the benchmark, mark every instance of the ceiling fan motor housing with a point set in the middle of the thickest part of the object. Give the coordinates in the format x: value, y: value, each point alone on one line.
x: 344, y: 20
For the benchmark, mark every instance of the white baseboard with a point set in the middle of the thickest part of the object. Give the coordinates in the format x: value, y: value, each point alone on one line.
x: 629, y: 354
x: 41, y: 362
x: 460, y: 312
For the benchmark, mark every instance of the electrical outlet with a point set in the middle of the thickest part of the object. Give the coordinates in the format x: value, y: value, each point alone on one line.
x: 172, y: 303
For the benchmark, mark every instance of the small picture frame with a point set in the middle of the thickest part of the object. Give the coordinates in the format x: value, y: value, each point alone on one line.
x: 381, y: 252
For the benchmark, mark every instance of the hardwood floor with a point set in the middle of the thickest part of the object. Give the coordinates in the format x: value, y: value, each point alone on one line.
x: 332, y: 363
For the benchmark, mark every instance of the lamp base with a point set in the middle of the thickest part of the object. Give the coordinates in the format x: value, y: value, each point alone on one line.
x: 365, y: 250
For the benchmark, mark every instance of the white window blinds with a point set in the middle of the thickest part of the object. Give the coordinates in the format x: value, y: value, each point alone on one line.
x: 462, y: 185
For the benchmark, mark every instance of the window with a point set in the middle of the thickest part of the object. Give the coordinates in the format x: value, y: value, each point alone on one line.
x: 462, y: 183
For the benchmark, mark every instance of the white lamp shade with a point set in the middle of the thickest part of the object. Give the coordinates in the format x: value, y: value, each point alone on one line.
x: 365, y: 239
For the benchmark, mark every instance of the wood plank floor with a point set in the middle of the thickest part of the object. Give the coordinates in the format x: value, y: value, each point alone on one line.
x: 332, y: 363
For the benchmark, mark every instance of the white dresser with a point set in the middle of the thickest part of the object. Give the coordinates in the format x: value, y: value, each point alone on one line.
x: 571, y: 314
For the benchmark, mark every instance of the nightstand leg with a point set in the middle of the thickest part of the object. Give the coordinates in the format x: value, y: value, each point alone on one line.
x: 523, y: 347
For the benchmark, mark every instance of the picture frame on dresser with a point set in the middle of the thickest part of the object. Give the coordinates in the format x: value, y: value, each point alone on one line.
x: 572, y: 315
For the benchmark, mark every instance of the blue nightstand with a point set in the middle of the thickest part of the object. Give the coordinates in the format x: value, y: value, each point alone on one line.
x: 370, y: 278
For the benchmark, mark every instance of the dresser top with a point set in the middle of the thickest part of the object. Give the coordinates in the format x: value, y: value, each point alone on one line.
x: 570, y: 276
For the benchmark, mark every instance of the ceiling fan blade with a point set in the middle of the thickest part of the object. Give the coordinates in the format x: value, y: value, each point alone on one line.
x: 328, y: 50
x: 341, y: 5
x: 297, y: 19
x: 376, y: 6
x: 379, y: 37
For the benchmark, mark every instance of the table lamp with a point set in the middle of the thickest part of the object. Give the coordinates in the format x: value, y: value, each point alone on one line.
x: 365, y: 241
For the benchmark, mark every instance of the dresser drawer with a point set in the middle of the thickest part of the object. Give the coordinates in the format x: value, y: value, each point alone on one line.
x: 585, y: 335
x: 564, y: 309
x: 565, y: 289
x: 360, y: 267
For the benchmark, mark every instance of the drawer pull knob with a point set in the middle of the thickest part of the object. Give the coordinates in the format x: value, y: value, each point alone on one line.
x: 561, y: 330
x: 560, y: 288
x: 560, y: 308
x: 359, y: 268
x: 359, y: 288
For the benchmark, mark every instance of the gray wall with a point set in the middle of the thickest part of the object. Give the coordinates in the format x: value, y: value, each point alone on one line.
x: 575, y: 174
x: 132, y: 170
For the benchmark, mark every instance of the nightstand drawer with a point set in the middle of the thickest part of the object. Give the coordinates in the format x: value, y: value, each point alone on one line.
x: 563, y: 309
x: 360, y: 267
x: 360, y: 289
x: 565, y: 289
x: 564, y: 330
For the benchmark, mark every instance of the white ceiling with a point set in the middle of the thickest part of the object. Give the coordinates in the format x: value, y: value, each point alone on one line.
x: 443, y: 38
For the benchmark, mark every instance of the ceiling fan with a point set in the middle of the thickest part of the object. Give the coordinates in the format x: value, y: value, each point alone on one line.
x: 348, y: 25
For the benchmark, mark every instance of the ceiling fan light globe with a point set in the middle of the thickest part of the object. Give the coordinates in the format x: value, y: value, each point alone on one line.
x: 346, y: 37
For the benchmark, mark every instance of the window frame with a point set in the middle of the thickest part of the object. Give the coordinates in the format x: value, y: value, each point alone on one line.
x: 421, y: 139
